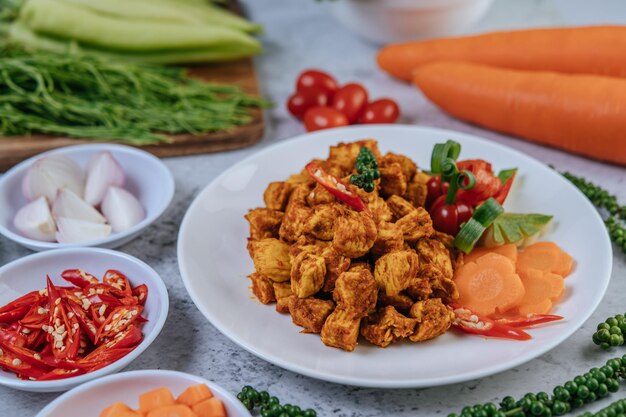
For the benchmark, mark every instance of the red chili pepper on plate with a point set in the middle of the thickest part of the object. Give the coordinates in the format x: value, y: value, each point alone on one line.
x: 141, y: 292
x: 487, y: 184
x: 336, y: 187
x: 79, y: 277
x: 503, y: 192
x: 118, y: 281
x: 18, y: 308
x: 26, y: 355
x: 65, y: 334
x: 117, y: 321
x: 530, y: 320
x: 472, y: 323
x: 60, y: 373
x: 11, y: 362
x: 85, y: 322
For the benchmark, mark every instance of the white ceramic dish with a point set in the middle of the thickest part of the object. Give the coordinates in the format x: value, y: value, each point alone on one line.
x: 214, y: 263
x: 388, y: 21
x: 147, y: 178
x: 91, y: 398
x: 29, y: 273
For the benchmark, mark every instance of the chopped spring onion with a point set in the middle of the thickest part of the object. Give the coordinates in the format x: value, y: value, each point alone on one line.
x: 482, y: 218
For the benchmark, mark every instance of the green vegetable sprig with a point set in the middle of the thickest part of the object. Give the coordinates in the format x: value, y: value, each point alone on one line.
x: 602, y: 199
x: 367, y: 170
x: 100, y: 99
x: 610, y: 332
x: 269, y: 406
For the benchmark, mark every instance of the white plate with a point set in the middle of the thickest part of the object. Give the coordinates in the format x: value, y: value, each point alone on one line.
x: 29, y: 273
x: 147, y: 178
x: 214, y: 264
x: 91, y: 398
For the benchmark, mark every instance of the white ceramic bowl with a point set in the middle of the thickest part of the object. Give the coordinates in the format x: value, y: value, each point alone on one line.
x: 147, y: 178
x: 29, y: 273
x: 389, y: 21
x: 91, y: 398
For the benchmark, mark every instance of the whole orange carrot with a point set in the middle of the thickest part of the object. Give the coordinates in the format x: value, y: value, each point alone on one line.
x: 585, y: 114
x: 593, y: 50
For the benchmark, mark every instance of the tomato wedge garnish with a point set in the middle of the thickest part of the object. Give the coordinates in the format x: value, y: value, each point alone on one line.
x: 344, y: 192
x: 470, y: 322
x: 79, y: 277
x: 117, y: 321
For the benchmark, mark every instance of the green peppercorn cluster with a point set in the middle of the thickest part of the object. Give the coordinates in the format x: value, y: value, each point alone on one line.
x: 583, y: 389
x: 270, y: 406
x: 611, y: 332
x: 367, y: 170
x: 615, y: 409
x: 601, y: 198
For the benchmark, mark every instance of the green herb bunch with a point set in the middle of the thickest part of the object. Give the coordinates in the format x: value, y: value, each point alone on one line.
x: 270, y: 406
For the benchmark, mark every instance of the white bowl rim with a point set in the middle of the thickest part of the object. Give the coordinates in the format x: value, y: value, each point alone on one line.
x: 144, y: 372
x: 168, y: 190
x: 62, y: 384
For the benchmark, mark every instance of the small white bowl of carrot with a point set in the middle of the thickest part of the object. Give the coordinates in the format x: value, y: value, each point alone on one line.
x: 147, y: 393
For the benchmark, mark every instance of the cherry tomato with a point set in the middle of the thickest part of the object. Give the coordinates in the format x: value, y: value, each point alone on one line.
x: 317, y: 118
x: 448, y: 218
x: 383, y: 110
x: 317, y: 80
x: 435, y: 188
x: 301, y: 101
x: 351, y: 100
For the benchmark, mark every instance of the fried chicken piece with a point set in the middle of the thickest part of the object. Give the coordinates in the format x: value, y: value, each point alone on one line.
x: 433, y: 318
x: 307, y: 274
x: 282, y: 304
x: 343, y: 156
x: 417, y: 190
x: 446, y: 239
x: 355, y: 233
x: 395, y: 271
x: 389, y: 239
x: 271, y: 259
x: 310, y: 313
x: 341, y: 330
x: 321, y: 222
x: 416, y: 225
x: 282, y: 289
x: 399, y: 206
x: 336, y: 264
x: 409, y: 168
x: 296, y: 214
x: 375, y: 203
x: 262, y: 288
x: 400, y: 302
x: 356, y: 291
x: 387, y: 326
x: 441, y: 285
x: 392, y: 180
x: 264, y: 223
x: 277, y: 194
x: 434, y: 252
x: 420, y: 290
x: 360, y: 266
x: 319, y: 195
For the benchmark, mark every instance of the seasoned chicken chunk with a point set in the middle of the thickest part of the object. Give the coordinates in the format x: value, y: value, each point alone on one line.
x: 343, y: 156
x: 321, y: 222
x: 319, y: 195
x: 441, y: 285
x: 416, y: 225
x: 387, y: 326
x: 409, y: 168
x: 417, y: 190
x: 282, y: 289
x: 341, y: 330
x: 421, y: 289
x: 355, y: 233
x: 356, y: 291
x: 282, y: 304
x: 307, y: 274
x: 335, y: 263
x: 433, y: 252
x: 271, y: 259
x: 399, y: 206
x: 264, y: 223
x: 389, y: 239
x: 310, y: 313
x: 262, y: 288
x: 375, y: 203
x: 296, y: 214
x: 400, y: 302
x: 433, y: 318
x: 360, y: 266
x: 445, y: 239
x: 277, y: 194
x: 395, y: 271
x: 392, y: 180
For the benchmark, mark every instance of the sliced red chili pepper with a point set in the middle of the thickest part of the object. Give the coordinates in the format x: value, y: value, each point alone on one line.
x: 11, y: 362
x: 85, y: 322
x: 12, y: 337
x: 61, y: 373
x: 469, y: 322
x: 63, y: 328
x: 103, y: 289
x: 503, y: 192
x: 79, y: 277
x: 141, y: 292
x: 37, y: 316
x: 529, y: 320
x: 110, y: 357
x: 117, y: 321
x: 99, y: 312
x: 336, y: 187
x: 116, y: 302
x: 117, y: 280
x: 26, y: 355
x: 26, y: 300
x: 130, y: 337
x: 14, y: 315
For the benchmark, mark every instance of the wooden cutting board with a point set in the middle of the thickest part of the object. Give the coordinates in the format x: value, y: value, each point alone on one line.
x: 240, y: 73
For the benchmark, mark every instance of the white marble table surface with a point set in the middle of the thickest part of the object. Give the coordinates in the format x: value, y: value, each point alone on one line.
x: 300, y: 34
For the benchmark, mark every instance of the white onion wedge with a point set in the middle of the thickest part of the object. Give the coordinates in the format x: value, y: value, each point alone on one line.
x: 49, y: 174
x: 76, y: 231
x: 103, y: 171
x: 35, y: 221
x: 121, y: 209
x: 68, y: 204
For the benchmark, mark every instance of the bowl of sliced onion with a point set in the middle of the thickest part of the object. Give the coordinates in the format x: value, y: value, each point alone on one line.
x: 100, y: 195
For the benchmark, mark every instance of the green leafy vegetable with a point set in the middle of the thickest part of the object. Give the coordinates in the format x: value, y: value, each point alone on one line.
x: 515, y: 228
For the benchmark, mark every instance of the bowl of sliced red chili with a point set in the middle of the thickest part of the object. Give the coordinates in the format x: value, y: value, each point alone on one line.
x: 68, y: 316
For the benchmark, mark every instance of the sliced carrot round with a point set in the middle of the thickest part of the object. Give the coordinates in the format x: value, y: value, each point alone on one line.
x: 545, y: 256
x: 542, y: 307
x: 509, y: 250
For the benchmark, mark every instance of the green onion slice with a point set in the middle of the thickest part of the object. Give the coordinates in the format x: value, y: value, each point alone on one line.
x: 441, y: 153
x: 482, y: 218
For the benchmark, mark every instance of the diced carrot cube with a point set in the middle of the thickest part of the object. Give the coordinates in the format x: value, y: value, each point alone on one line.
x: 210, y: 408
x: 195, y: 394
x: 177, y: 410
x: 119, y: 410
x: 156, y: 398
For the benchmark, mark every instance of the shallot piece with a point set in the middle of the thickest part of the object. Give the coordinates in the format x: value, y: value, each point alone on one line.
x: 67, y: 204
x: 49, y: 174
x: 103, y: 171
x: 77, y: 231
x: 121, y: 209
x: 35, y: 221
